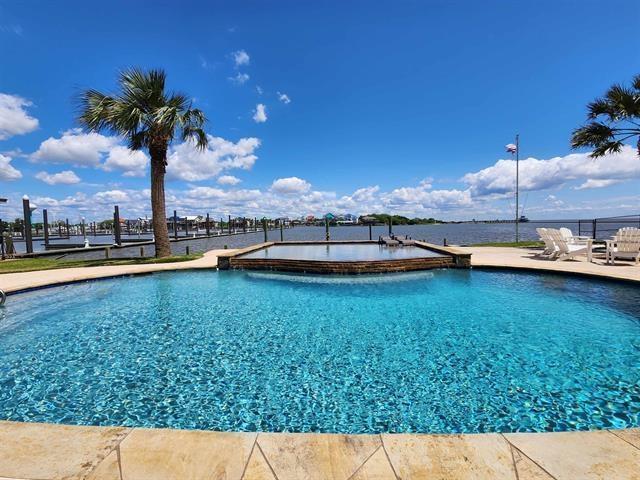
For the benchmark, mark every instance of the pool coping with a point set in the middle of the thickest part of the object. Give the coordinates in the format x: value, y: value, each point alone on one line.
x: 54, y: 451
x: 111, y: 453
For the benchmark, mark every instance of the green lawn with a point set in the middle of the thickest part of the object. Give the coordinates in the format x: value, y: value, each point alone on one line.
x: 32, y: 264
x: 524, y: 244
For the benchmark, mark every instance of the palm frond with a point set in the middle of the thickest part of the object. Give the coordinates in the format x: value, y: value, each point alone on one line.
x: 142, y: 111
x: 620, y: 112
x: 624, y: 102
x: 96, y: 110
x: 196, y: 134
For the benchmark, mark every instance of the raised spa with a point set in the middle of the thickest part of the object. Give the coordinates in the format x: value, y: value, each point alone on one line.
x: 341, y: 252
x: 448, y: 350
x: 342, y: 257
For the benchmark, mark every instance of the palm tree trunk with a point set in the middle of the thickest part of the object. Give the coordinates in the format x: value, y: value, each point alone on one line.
x: 158, y: 155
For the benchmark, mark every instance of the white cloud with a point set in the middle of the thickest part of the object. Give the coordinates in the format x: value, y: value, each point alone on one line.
x: 14, y: 119
x: 260, y: 114
x: 284, y: 98
x: 426, y: 183
x: 499, y: 179
x: 8, y: 172
x: 186, y: 162
x: 553, y: 201
x: 111, y: 197
x: 591, y: 183
x: 75, y: 148
x: 91, y: 150
x: 294, y: 196
x: 366, y: 194
x: 421, y: 197
x: 66, y: 177
x: 290, y: 185
x: 240, y: 58
x: 132, y: 163
x: 228, y: 180
x: 239, y: 78
x: 259, y: 90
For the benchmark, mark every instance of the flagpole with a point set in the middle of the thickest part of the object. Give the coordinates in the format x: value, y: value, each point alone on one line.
x: 517, y: 187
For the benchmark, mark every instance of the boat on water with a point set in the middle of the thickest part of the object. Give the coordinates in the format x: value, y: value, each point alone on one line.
x: 523, y: 219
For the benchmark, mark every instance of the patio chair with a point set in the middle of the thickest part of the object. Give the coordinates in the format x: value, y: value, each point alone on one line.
x: 574, y: 239
x: 626, y: 245
x: 549, y: 246
x: 566, y: 250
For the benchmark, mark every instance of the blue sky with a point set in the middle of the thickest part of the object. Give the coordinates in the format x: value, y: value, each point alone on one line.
x: 401, y: 106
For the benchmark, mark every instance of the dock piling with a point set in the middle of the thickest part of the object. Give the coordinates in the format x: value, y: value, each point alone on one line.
x: 26, y: 210
x: 45, y: 226
x: 116, y: 225
x: 175, y: 224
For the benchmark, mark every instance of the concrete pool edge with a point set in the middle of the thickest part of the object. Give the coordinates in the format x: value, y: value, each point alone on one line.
x: 448, y: 258
x: 49, y: 451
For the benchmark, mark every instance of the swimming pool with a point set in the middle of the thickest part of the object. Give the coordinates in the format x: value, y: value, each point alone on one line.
x: 436, y: 351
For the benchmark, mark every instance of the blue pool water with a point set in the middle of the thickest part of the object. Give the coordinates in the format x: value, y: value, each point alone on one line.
x: 345, y: 252
x: 438, y: 351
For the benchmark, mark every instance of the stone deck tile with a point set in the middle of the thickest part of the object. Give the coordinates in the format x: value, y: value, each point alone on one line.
x: 631, y: 435
x: 432, y: 457
x: 527, y: 469
x: 526, y: 258
x: 108, y: 469
x: 377, y: 467
x: 583, y: 455
x: 43, y: 451
x: 162, y: 454
x: 10, y: 282
x: 316, y: 455
x: 258, y: 468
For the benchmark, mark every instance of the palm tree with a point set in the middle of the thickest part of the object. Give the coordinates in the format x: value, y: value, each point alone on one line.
x: 619, y: 111
x: 148, y: 117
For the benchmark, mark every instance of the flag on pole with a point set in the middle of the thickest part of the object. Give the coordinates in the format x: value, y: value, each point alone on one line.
x: 511, y: 148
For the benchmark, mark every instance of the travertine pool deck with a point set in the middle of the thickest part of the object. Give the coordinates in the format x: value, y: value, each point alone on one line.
x: 46, y: 452
x: 12, y: 282
x: 525, y: 258
x: 32, y: 451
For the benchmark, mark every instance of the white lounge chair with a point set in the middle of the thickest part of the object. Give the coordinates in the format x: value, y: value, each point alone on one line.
x: 574, y: 239
x: 566, y: 250
x: 549, y: 247
x: 626, y: 245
